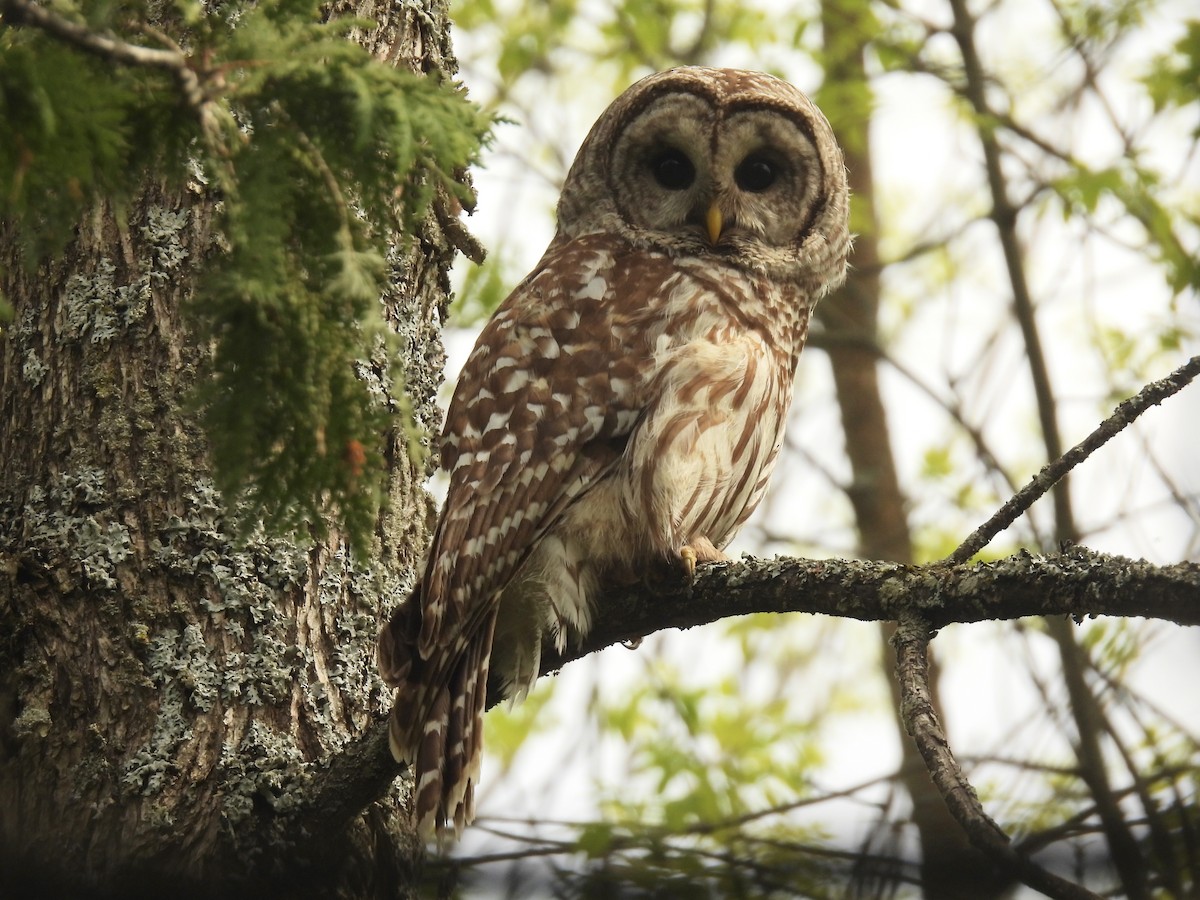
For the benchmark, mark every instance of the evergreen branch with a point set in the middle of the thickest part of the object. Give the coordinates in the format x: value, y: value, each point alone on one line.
x: 312, y: 153
x: 173, y: 61
x: 26, y: 12
x: 1124, y: 415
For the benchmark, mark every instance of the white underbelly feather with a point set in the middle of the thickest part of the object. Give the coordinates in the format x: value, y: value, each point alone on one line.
x: 697, y: 463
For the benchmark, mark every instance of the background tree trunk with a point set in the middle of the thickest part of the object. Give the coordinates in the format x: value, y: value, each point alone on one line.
x: 950, y: 867
x: 162, y: 685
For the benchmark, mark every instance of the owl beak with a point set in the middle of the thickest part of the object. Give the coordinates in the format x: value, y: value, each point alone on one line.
x: 714, y: 222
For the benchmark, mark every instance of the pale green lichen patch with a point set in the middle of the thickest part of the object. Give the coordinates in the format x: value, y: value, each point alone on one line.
x: 34, y: 721
x: 63, y: 526
x: 259, y: 768
x: 257, y: 645
x: 183, y: 658
x: 98, y: 308
x: 149, y: 769
x: 164, y: 230
x: 33, y: 369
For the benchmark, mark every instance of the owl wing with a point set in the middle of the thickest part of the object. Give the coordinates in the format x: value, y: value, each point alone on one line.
x: 544, y: 407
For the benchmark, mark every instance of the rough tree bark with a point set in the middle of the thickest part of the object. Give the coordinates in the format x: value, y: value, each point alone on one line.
x: 165, y: 689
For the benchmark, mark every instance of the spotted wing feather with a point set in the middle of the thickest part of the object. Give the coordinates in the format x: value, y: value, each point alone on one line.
x: 542, y: 410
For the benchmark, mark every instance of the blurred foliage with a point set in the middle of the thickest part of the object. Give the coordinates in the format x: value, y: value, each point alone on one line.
x: 1136, y: 187
x: 323, y: 157
x: 483, y: 287
x: 505, y: 734
x: 705, y: 754
x: 1173, y: 76
x: 712, y: 767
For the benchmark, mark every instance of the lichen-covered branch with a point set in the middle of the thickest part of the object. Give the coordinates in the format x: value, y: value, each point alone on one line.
x: 1076, y: 583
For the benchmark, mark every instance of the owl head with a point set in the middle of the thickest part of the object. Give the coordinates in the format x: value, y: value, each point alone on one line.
x: 717, y: 163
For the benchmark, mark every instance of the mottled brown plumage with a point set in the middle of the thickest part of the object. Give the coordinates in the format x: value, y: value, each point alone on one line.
x: 626, y: 403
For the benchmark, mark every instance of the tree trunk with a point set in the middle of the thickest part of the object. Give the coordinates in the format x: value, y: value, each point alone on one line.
x: 165, y: 688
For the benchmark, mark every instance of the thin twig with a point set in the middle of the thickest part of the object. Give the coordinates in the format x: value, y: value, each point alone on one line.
x: 1122, y: 845
x: 1151, y: 395
x: 1004, y: 214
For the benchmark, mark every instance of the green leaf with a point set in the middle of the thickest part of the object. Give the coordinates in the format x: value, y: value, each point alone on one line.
x: 1172, y: 77
x: 595, y: 839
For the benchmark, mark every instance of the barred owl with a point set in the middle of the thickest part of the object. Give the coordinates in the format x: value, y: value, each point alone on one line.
x: 626, y: 403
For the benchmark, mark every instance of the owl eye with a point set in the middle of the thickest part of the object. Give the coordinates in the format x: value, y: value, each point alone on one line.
x: 755, y: 173
x: 673, y: 170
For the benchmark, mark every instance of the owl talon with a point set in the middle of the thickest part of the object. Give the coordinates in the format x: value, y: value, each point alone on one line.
x: 687, y: 556
x: 700, y: 550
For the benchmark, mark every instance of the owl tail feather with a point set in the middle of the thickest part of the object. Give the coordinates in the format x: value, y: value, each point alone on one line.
x: 437, y: 722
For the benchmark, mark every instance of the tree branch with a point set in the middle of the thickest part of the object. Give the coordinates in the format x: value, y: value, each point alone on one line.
x: 350, y: 781
x: 1077, y: 583
x: 920, y: 719
x: 1074, y: 583
x: 1151, y: 395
